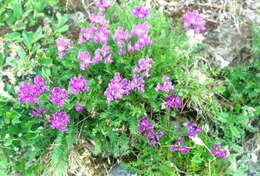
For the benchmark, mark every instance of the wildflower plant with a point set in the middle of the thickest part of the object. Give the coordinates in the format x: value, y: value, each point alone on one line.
x: 128, y: 62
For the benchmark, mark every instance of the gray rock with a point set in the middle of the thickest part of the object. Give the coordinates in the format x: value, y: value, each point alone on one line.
x: 118, y: 170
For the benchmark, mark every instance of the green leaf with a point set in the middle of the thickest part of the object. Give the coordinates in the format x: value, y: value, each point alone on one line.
x: 97, y: 148
x: 12, y: 36
x: 35, y: 48
x: 7, y: 117
x: 28, y: 38
x: 21, y: 52
x: 15, y: 117
x: 11, y: 61
x: 219, y: 90
x: 235, y: 131
x: 17, y: 9
x: 62, y: 19
x: 223, y: 117
x: 62, y: 29
x: 46, y: 62
x: 37, y: 35
x: 8, y: 142
x: 237, y: 148
x: 46, y: 71
x: 2, y: 60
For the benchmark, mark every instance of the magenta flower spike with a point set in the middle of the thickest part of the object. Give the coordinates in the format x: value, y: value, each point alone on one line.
x: 140, y: 12
x: 59, y: 120
x: 173, y: 148
x: 78, y: 107
x: 193, y: 19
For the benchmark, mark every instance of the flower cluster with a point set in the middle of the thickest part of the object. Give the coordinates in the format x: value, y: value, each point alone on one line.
x: 120, y: 36
x: 56, y: 96
x: 173, y: 101
x: 84, y: 57
x: 28, y: 93
x: 116, y: 89
x: 62, y: 46
x: 144, y: 126
x: 99, y: 54
x: 195, y: 20
x: 103, y: 5
x: 143, y: 65
x: 59, y: 120
x: 98, y: 25
x: 78, y: 85
x: 39, y: 111
x: 182, y: 148
x: 192, y: 131
x: 137, y: 82
x: 141, y: 30
x: 217, y: 152
x: 87, y: 34
x: 140, y: 12
x: 99, y: 33
x: 78, y: 107
x: 167, y: 85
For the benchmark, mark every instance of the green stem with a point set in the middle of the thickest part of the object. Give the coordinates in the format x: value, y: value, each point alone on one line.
x: 166, y: 119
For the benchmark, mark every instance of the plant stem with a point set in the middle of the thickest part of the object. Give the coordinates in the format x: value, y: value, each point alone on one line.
x: 166, y: 119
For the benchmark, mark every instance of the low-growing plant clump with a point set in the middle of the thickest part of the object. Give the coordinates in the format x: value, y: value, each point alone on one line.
x: 134, y: 85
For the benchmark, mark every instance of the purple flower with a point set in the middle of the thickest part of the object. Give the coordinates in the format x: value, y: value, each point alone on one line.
x: 39, y: 111
x: 179, y: 140
x: 30, y: 93
x: 84, y: 57
x: 140, y: 30
x: 195, y: 20
x: 78, y: 85
x: 27, y: 94
x: 78, y: 107
x: 120, y: 36
x: 116, y: 89
x: 143, y: 125
x: 130, y: 48
x: 216, y: 145
x: 150, y: 135
x: 143, y: 65
x: 191, y: 132
x: 56, y: 96
x: 173, y: 101
x: 173, y: 147
x: 167, y: 85
x: 59, y: 120
x: 40, y: 85
x: 137, y: 82
x: 149, y: 127
x: 183, y: 149
x: 153, y: 143
x: 140, y: 12
x: 217, y: 152
x: 62, y: 46
x: 159, y: 134
x: 87, y: 35
x: 190, y: 125
x: 197, y: 130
